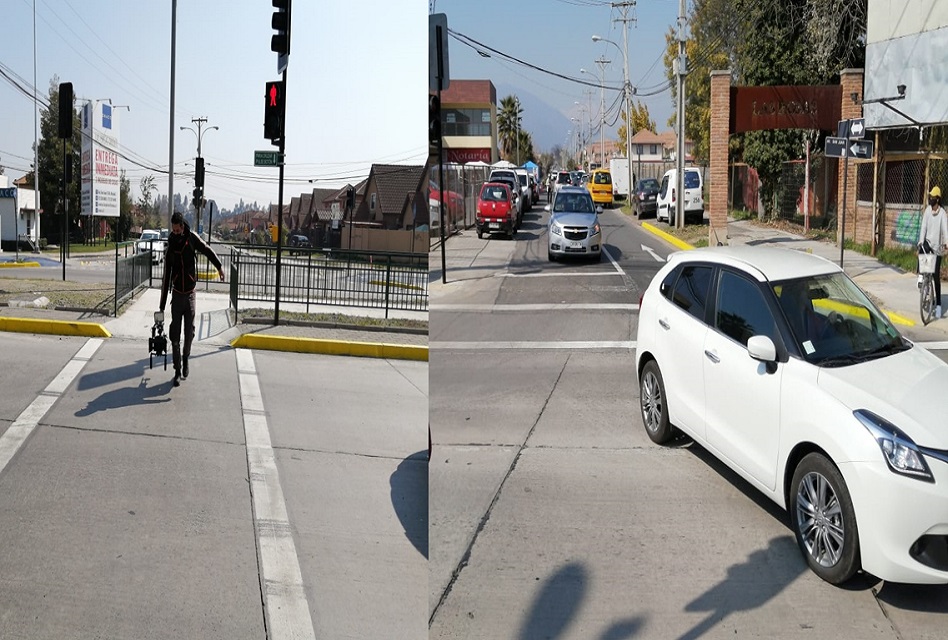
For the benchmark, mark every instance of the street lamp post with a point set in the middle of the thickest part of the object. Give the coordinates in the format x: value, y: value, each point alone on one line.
x: 627, y: 93
x: 199, y: 206
x: 602, y: 62
x: 517, y: 114
x: 585, y: 128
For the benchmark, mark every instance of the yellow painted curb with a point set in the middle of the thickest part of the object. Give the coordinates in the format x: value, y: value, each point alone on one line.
x: 9, y: 265
x: 899, y: 319
x: 667, y: 237
x: 331, y: 347
x: 54, y: 327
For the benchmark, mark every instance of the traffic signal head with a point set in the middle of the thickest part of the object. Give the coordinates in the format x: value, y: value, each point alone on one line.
x: 199, y: 172
x: 350, y: 198
x: 434, y: 119
x: 65, y: 110
x: 280, y: 41
x: 273, y: 112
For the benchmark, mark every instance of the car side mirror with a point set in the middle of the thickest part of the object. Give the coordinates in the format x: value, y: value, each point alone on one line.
x: 598, y: 210
x: 762, y: 349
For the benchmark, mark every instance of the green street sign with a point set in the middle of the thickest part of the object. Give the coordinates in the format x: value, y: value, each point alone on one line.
x: 266, y: 158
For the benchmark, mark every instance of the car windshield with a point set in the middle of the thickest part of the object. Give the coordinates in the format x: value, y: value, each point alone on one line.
x: 523, y: 179
x: 149, y: 235
x: 834, y: 323
x: 573, y: 203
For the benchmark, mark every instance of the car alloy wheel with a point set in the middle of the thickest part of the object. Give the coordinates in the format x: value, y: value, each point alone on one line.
x: 654, y: 406
x: 824, y: 520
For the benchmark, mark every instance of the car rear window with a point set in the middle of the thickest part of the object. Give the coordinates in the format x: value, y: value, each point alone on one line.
x: 496, y: 194
x: 692, y: 180
x: 602, y: 178
x: 563, y: 178
x: 651, y: 183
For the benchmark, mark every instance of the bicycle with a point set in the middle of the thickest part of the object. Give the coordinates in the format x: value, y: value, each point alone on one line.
x: 927, y: 302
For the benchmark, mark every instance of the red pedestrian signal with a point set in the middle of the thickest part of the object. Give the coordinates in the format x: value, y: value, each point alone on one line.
x: 273, y: 112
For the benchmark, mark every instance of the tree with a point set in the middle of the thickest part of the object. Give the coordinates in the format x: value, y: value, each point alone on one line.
x: 121, y: 226
x: 640, y: 120
x: 149, y: 210
x: 508, y: 124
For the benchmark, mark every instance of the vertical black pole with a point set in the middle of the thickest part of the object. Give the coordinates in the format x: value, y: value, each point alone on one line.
x: 441, y: 207
x: 65, y: 240
x: 280, y: 159
x: 842, y: 232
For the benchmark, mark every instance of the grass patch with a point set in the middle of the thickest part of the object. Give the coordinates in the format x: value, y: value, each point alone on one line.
x: 334, y: 318
x: 94, y: 296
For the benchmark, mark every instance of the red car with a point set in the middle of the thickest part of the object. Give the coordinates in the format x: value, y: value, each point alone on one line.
x: 454, y: 201
x: 496, y: 212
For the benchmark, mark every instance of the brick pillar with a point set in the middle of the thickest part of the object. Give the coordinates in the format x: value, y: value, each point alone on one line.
x: 717, y: 175
x: 851, y: 81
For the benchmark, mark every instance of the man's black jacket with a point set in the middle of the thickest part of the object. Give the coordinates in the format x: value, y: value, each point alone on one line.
x: 180, y: 264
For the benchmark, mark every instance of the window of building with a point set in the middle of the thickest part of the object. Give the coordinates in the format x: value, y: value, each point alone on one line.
x: 466, y: 122
x: 653, y: 149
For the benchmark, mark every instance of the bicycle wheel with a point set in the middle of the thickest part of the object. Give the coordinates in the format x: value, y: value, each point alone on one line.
x: 928, y: 299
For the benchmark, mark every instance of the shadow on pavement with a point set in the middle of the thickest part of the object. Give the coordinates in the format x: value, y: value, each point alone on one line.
x: 141, y: 394
x: 929, y: 598
x: 559, y: 601
x: 409, y: 492
x: 748, y: 585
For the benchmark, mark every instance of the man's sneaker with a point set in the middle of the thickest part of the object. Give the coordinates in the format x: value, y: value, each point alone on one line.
x: 184, y: 370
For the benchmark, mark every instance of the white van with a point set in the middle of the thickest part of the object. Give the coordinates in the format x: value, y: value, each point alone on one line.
x: 694, y: 197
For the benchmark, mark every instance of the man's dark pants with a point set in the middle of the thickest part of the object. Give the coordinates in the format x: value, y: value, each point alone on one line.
x: 182, y: 307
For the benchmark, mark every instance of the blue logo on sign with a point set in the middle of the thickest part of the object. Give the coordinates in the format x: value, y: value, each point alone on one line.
x: 106, y: 116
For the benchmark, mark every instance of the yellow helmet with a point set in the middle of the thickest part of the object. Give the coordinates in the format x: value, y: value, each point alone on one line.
x: 936, y: 191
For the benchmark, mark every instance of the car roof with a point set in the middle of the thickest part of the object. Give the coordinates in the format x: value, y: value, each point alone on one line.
x: 773, y: 263
x: 571, y: 189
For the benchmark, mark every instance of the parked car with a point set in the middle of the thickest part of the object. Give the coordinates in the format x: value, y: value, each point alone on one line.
x: 776, y: 363
x: 296, y: 243
x: 151, y: 240
x: 496, y: 210
x: 523, y: 178
x: 453, y: 200
x: 600, y: 187
x: 694, y: 198
x: 574, y: 228
x: 514, y: 185
x: 645, y: 196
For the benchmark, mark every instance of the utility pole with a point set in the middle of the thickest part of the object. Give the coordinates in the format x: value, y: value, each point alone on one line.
x: 681, y: 69
x: 602, y: 62
x: 627, y: 85
x: 174, y: 28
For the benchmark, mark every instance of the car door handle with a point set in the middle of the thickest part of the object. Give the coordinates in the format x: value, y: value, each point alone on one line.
x: 664, y: 324
x: 712, y: 356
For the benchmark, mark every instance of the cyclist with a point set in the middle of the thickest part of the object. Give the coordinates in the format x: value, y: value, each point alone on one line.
x: 933, y: 238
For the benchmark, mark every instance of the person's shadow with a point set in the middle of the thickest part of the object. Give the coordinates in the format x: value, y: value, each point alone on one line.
x: 748, y: 585
x: 140, y: 394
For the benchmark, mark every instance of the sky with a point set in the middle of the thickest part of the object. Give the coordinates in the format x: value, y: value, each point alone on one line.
x: 556, y: 35
x: 356, y: 86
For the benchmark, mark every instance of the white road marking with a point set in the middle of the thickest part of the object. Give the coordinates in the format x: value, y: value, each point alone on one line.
x: 933, y: 346
x: 478, y: 346
x: 651, y: 251
x: 23, y: 426
x: 613, y: 261
x: 514, y: 308
x: 287, y: 610
x: 558, y: 274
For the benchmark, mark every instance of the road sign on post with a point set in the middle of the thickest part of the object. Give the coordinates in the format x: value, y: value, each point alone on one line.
x: 835, y: 147
x: 266, y: 158
x: 861, y: 149
x: 857, y: 128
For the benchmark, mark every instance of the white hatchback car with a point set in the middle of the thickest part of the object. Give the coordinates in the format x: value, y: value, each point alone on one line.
x: 779, y: 365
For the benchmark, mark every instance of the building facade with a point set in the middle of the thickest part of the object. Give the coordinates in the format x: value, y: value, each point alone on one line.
x: 469, y: 121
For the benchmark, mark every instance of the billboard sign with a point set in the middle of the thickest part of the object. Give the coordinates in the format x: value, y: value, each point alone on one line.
x: 100, y: 161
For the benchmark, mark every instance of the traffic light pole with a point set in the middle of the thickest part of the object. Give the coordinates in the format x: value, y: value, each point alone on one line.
x: 441, y: 207
x: 281, y: 161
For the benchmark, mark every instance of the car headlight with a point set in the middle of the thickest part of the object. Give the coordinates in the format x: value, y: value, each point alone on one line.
x: 900, y: 453
x: 595, y: 229
x: 556, y: 229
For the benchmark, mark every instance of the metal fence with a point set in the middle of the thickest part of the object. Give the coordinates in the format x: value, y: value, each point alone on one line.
x: 390, y: 281
x: 132, y: 272
x: 465, y: 181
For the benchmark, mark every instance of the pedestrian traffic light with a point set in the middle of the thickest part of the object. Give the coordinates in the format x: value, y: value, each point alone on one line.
x: 199, y: 172
x: 280, y: 41
x: 350, y: 198
x: 198, y: 194
x: 65, y: 110
x: 273, y: 112
x: 434, y: 120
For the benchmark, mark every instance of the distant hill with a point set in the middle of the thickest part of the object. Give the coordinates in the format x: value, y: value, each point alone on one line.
x: 547, y: 125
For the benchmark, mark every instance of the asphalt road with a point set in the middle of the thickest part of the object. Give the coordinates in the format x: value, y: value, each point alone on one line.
x: 552, y: 515
x: 271, y: 495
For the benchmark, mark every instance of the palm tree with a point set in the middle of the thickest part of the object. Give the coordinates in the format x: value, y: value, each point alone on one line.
x: 508, y: 124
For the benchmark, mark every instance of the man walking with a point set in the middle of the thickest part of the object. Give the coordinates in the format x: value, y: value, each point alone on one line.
x: 181, y: 277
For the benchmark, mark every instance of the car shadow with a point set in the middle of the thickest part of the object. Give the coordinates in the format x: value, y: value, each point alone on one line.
x: 409, y: 493
x: 924, y: 598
